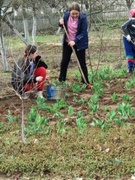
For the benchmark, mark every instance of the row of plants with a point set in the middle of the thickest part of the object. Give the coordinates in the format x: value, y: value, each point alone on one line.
x: 122, y: 112
x: 75, y: 136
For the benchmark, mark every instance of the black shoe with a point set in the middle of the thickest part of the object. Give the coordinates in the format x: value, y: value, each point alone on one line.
x: 61, y: 79
x: 130, y: 71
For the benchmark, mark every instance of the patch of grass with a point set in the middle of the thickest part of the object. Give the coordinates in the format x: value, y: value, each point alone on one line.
x: 72, y: 154
x: 49, y: 38
x: 14, y: 43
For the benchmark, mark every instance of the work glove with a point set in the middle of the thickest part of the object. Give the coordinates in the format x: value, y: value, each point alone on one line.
x: 128, y: 37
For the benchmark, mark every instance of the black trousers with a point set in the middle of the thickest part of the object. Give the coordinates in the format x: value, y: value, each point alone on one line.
x: 66, y: 55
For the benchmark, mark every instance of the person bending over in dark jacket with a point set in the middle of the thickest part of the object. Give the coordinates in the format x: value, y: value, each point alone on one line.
x: 128, y: 29
x: 76, y: 26
x: 29, y: 73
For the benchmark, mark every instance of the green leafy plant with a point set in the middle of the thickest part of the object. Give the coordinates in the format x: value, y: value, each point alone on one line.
x: 32, y: 114
x: 53, y: 108
x: 119, y: 121
x: 36, y: 122
x: 41, y: 102
x: 126, y: 98
x: 93, y: 107
x: 105, y: 74
x: 98, y: 87
x: 130, y: 84
x: 70, y: 110
x: 114, y: 96
x: 76, y: 88
x: 124, y: 110
x: 81, y: 122
x: 79, y: 101
x: 120, y: 73
x: 100, y: 123
x: 60, y: 127
x: 95, y: 98
x: 59, y: 105
x: 11, y: 118
x: 112, y: 114
x: 58, y: 114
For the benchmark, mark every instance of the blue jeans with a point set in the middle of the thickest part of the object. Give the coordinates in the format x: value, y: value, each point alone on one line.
x: 130, y: 53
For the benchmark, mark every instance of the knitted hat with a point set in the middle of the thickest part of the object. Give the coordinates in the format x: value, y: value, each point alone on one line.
x: 132, y: 12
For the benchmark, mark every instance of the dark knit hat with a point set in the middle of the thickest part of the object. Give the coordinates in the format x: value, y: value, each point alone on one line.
x: 132, y: 12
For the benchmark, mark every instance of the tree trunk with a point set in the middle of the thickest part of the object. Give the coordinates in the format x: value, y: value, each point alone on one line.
x: 26, y: 30
x: 25, y: 23
x: 3, y: 52
x: 34, y: 27
x: 3, y: 49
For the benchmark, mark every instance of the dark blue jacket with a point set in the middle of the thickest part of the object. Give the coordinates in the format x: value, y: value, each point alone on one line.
x: 81, y: 39
x: 129, y: 28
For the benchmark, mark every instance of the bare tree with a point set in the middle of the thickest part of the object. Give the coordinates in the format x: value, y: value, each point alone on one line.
x: 3, y: 48
x: 6, y: 18
x: 34, y: 29
x: 25, y: 22
x: 129, y: 3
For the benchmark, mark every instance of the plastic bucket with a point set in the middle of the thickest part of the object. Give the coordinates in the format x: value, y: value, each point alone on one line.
x: 55, y: 92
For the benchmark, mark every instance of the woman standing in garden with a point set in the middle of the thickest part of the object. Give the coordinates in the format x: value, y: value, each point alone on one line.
x: 76, y: 25
x: 128, y: 29
x: 29, y: 73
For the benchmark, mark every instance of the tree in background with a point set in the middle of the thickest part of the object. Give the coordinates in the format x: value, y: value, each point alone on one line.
x: 2, y: 43
x: 34, y: 8
x: 129, y: 3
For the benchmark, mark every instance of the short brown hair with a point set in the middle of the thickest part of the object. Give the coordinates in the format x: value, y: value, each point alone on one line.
x: 74, y: 6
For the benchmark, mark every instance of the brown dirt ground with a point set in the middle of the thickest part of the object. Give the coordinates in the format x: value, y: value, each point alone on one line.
x: 9, y: 100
